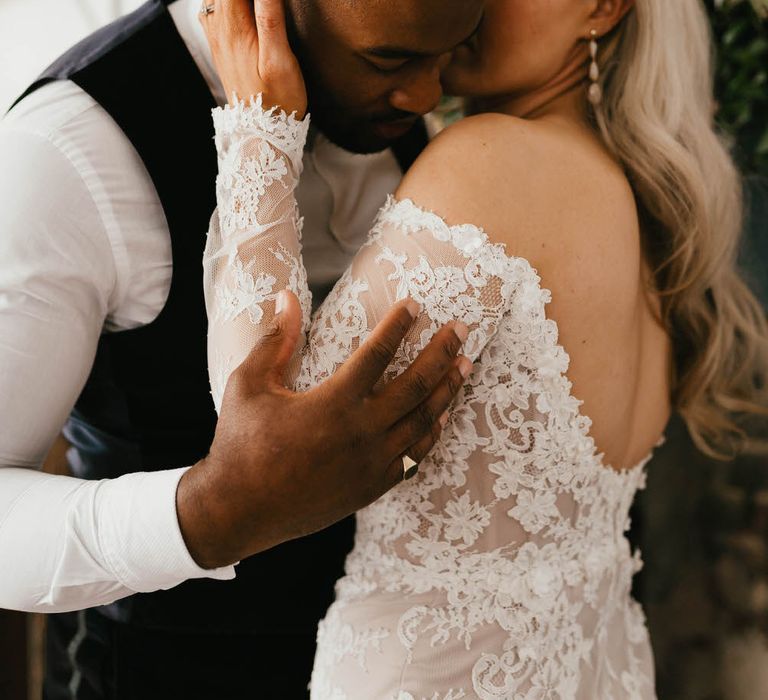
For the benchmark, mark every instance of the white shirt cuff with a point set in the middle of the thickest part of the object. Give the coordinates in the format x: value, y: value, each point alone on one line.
x: 140, y: 534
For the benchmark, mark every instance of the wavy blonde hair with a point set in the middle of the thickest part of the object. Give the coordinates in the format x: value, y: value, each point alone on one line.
x: 657, y: 118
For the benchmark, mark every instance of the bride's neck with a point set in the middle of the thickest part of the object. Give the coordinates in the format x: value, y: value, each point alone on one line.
x: 563, y: 96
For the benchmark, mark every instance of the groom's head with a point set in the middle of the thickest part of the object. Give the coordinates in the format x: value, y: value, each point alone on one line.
x: 373, y: 66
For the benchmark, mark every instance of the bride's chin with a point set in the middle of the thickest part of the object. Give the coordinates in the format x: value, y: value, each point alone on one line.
x: 462, y: 76
x: 456, y: 81
x: 459, y: 84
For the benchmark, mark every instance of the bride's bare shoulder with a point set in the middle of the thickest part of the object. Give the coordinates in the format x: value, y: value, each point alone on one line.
x: 531, y: 185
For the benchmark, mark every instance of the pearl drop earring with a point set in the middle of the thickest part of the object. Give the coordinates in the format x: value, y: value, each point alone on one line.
x: 595, y: 92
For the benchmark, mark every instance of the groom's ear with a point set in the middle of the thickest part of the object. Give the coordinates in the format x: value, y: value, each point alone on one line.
x: 608, y: 14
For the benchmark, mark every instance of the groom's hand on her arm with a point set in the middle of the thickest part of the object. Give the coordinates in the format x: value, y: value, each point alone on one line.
x: 286, y: 464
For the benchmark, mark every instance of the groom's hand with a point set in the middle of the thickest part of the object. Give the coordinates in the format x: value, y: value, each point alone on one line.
x: 285, y: 464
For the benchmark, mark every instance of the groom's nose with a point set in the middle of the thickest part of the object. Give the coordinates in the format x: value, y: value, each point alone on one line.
x: 422, y: 91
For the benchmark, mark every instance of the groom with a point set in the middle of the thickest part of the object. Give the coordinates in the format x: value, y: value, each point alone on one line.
x: 108, y: 180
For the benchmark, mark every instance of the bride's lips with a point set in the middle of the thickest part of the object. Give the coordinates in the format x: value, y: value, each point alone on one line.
x: 394, y: 130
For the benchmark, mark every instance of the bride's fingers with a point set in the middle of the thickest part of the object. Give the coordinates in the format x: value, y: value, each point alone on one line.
x: 240, y: 18
x: 275, y: 54
x: 222, y: 26
x: 203, y: 16
x: 229, y: 21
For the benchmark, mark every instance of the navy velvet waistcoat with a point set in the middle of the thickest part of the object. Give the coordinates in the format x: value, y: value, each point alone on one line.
x: 146, y: 405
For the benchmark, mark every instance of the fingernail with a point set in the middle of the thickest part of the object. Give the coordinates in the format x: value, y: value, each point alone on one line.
x: 281, y: 302
x: 444, y: 419
x: 414, y: 308
x: 465, y: 366
x: 461, y: 331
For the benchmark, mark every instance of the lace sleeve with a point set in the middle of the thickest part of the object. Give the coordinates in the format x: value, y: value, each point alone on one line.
x: 454, y: 273
x: 254, y: 251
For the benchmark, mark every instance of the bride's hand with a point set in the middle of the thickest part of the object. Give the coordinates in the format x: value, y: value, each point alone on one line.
x: 252, y: 55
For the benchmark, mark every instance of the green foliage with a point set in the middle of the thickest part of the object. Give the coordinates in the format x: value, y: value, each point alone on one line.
x: 741, y: 78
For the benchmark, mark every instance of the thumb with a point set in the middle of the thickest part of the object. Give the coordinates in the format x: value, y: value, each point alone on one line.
x: 270, y: 356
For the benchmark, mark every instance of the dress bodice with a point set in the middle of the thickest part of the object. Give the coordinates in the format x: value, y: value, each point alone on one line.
x: 514, y: 523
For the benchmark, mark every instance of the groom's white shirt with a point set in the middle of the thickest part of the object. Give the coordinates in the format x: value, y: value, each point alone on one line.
x: 85, y: 249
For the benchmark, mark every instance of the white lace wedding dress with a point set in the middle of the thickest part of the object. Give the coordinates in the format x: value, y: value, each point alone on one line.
x: 502, y: 570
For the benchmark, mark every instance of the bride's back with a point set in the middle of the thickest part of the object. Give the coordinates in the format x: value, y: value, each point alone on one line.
x: 551, y: 194
x: 506, y: 554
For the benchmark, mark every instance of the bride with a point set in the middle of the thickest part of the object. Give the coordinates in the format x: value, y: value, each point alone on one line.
x: 583, y: 225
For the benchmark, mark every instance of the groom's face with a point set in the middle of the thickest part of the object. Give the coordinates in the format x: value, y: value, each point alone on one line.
x: 373, y: 66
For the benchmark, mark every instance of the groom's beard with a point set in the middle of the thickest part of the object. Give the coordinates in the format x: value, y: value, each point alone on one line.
x: 365, y: 135
x: 358, y: 133
x: 351, y: 129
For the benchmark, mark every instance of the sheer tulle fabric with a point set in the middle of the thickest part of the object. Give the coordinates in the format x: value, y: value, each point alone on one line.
x: 502, y: 570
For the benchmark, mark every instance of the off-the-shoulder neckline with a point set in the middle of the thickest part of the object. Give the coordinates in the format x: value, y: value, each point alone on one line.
x: 460, y: 235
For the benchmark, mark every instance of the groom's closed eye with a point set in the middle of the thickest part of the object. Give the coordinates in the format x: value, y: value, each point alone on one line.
x: 392, y: 59
x: 391, y: 66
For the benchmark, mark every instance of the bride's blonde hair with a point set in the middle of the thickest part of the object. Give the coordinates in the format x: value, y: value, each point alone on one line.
x: 657, y: 118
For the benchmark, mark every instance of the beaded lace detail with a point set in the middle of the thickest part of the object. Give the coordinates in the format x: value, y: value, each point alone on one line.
x: 502, y: 570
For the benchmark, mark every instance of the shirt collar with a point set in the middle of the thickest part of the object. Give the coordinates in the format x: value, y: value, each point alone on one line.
x: 185, y: 15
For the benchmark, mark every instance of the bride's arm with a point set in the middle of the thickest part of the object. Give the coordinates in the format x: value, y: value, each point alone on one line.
x: 253, y: 250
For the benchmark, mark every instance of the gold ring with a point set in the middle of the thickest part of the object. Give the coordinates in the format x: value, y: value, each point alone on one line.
x: 410, y: 468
